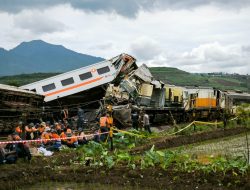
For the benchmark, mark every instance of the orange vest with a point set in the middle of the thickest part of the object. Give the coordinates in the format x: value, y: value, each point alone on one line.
x: 63, y: 135
x: 103, y: 121
x: 109, y: 122
x: 18, y: 129
x: 72, y: 139
x: 45, y: 137
x: 55, y: 136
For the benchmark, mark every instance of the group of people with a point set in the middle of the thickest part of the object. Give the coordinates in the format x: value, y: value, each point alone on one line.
x: 48, y: 136
x: 140, y: 120
x: 52, y: 137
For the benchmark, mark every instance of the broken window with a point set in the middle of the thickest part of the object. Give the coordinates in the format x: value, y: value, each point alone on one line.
x: 103, y: 70
x: 85, y: 76
x: 49, y: 87
x: 68, y: 81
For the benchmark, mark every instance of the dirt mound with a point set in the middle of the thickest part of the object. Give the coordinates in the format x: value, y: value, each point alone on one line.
x: 226, y: 82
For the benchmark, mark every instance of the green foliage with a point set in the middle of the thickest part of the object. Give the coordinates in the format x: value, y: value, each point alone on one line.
x: 243, y: 113
x: 98, y: 155
x: 19, y: 80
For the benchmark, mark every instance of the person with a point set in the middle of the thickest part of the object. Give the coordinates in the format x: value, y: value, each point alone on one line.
x: 8, y: 156
x: 140, y: 123
x: 82, y: 139
x: 71, y: 142
x: 63, y: 135
x: 18, y: 128
x: 35, y: 130
x: 110, y: 121
x: 21, y: 149
x: 41, y: 128
x: 56, y: 144
x: 135, y: 120
x: 28, y: 131
x: 46, y: 136
x: 103, y: 127
x: 58, y: 128
x: 80, y: 114
x: 146, y: 123
x: 65, y: 114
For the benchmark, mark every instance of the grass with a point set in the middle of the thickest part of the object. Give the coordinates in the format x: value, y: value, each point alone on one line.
x: 234, y: 146
x: 182, y: 78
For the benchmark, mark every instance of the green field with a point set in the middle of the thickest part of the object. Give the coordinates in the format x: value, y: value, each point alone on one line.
x: 182, y: 78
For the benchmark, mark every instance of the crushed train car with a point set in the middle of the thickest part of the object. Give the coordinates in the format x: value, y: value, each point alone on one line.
x: 17, y: 104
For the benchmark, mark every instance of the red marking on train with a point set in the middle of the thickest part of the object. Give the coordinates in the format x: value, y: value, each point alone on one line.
x: 73, y: 87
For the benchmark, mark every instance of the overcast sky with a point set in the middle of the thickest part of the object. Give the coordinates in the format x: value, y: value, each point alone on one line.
x: 192, y: 35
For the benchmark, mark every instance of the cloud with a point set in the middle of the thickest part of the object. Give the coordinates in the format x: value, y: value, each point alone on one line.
x: 128, y: 8
x: 246, y: 49
x: 214, y: 57
x: 211, y: 57
x: 145, y: 48
x: 37, y: 22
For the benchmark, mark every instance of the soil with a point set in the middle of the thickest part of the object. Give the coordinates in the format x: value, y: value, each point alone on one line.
x: 170, y: 142
x: 226, y: 83
x: 59, y: 168
x: 25, y: 174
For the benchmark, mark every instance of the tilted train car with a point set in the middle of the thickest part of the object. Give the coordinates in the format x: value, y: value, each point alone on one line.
x: 17, y: 105
x: 89, y: 79
x: 83, y: 87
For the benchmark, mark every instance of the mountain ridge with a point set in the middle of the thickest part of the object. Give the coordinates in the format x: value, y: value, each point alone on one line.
x: 39, y: 56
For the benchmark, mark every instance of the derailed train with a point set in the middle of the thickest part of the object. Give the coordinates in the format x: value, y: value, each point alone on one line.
x: 121, y: 83
x: 17, y: 104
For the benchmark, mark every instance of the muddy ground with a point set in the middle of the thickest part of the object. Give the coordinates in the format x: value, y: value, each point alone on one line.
x: 24, y: 175
x: 59, y: 168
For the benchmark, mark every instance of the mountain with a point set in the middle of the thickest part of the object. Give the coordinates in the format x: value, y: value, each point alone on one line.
x: 38, y: 56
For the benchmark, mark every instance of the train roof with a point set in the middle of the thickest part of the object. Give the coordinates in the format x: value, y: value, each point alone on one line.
x: 79, y: 69
x: 16, y: 89
x: 234, y: 94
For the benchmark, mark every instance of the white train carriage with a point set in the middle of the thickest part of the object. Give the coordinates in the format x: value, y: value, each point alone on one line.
x: 81, y: 79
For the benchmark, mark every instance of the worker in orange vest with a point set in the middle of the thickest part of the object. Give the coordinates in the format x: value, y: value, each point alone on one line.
x: 56, y: 144
x: 110, y: 124
x: 110, y: 121
x: 104, y: 126
x: 63, y: 135
x: 18, y: 128
x: 72, y: 141
x: 41, y: 128
x: 46, y: 136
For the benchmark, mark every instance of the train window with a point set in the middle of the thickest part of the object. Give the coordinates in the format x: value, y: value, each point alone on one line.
x: 103, y: 70
x: 68, y: 81
x: 85, y: 76
x: 33, y: 90
x: 49, y: 87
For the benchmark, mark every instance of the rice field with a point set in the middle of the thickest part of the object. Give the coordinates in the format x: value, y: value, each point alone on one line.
x: 233, y: 146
